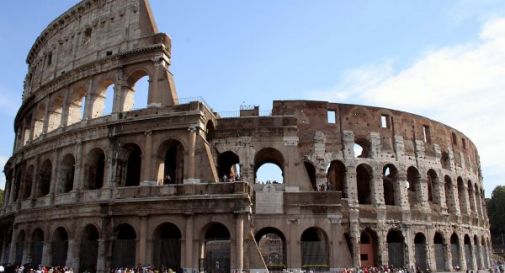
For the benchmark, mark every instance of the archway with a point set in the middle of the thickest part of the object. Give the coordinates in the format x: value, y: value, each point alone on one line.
x: 228, y: 166
x: 124, y: 246
x: 167, y: 247
x: 76, y: 105
x: 272, y: 244
x: 45, y: 174
x: 414, y: 190
x: 137, y: 97
x: 456, y: 263
x: 314, y: 244
x: 209, y: 130
x: 390, y: 182
x: 133, y: 165
x: 67, y: 171
x: 171, y: 170
x: 461, y: 196
x: 361, y: 148
x: 311, y: 172
x: 95, y: 169
x: 468, y: 253
x: 420, y: 248
x: 336, y: 177
x: 216, y: 249
x: 37, y: 246
x: 54, y: 113
x: 471, y: 198
x: 103, y: 99
x: 449, y: 195
x: 368, y: 248
x: 364, y: 175
x: 27, y: 182
x: 20, y: 246
x: 433, y: 189
x: 88, y: 252
x: 396, y: 248
x: 477, y: 250
x: 59, y: 247
x: 439, y: 241
x: 269, y: 166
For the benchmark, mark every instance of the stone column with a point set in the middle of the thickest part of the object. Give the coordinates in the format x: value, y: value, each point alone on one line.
x: 73, y: 255
x: 423, y: 193
x: 188, y: 245
x: 351, y: 186
x: 409, y: 247
x: 46, y: 253
x: 382, y: 246
x: 448, y: 255
x: 142, y: 241
x: 79, y: 168
x: 46, y: 117
x: 401, y: 191
x: 148, y: 176
x: 355, y: 238
x: 377, y: 188
x: 190, y: 177
x: 66, y: 108
x: 239, y: 242
x: 100, y: 263
x: 455, y: 199
x: 462, y: 256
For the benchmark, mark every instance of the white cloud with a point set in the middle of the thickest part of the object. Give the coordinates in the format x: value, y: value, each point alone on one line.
x: 460, y: 85
x: 3, y: 160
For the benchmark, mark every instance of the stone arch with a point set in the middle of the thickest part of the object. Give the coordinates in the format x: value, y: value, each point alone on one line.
x: 59, y: 247
x: 368, y: 247
x: 438, y: 243
x: 67, y: 172
x: 362, y: 148
x: 171, y: 162
x: 449, y: 194
x: 364, y: 176
x: 445, y: 161
x: 38, y: 119
x: 269, y: 156
x: 311, y: 172
x: 421, y: 251
x: 76, y: 105
x: 95, y: 169
x: 20, y: 246
x: 131, y: 165
x: 216, y: 248
x: 132, y: 97
x: 55, y: 112
x: 228, y: 166
x: 396, y: 248
x: 468, y: 252
x: 124, y: 246
x: 477, y: 200
x: 314, y: 249
x: 336, y: 177
x: 461, y: 195
x: 88, y: 251
x: 456, y: 262
x: 167, y: 246
x: 103, y: 99
x: 272, y: 245
x: 28, y: 182
x: 37, y: 246
x: 414, y: 189
x: 471, y: 196
x: 44, y: 178
x: 390, y: 185
x: 433, y: 184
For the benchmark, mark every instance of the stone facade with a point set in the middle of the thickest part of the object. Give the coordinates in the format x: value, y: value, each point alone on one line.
x: 174, y: 184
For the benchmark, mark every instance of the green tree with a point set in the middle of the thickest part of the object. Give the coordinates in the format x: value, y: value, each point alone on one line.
x: 496, y: 213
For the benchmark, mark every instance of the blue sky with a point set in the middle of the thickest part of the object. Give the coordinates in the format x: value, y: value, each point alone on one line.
x: 441, y: 59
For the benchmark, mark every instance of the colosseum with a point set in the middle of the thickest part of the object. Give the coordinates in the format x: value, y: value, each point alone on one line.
x: 174, y: 184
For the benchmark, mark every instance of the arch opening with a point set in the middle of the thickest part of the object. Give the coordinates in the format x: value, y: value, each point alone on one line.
x: 167, y: 247
x: 76, y: 106
x: 314, y: 248
x: 171, y: 168
x: 95, y: 169
x: 433, y: 190
x: 228, y: 166
x: 364, y: 175
x: 269, y: 166
x: 67, y: 172
x: 45, y: 175
x: 438, y: 241
x: 137, y: 95
x: 216, y: 249
x: 361, y: 148
x: 55, y: 113
x: 88, y: 252
x: 389, y: 182
x: 27, y: 182
x: 209, y: 130
x: 124, y: 246
x: 421, y: 251
x: 468, y: 253
x: 20, y: 246
x: 336, y: 177
x: 455, y: 251
x: 368, y: 248
x: 272, y: 244
x: 59, y: 247
x: 414, y: 184
x: 311, y: 172
x: 37, y: 246
x: 396, y: 248
x: 133, y: 165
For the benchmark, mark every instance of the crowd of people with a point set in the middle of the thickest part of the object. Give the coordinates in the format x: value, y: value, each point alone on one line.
x: 145, y: 269
x: 42, y: 269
